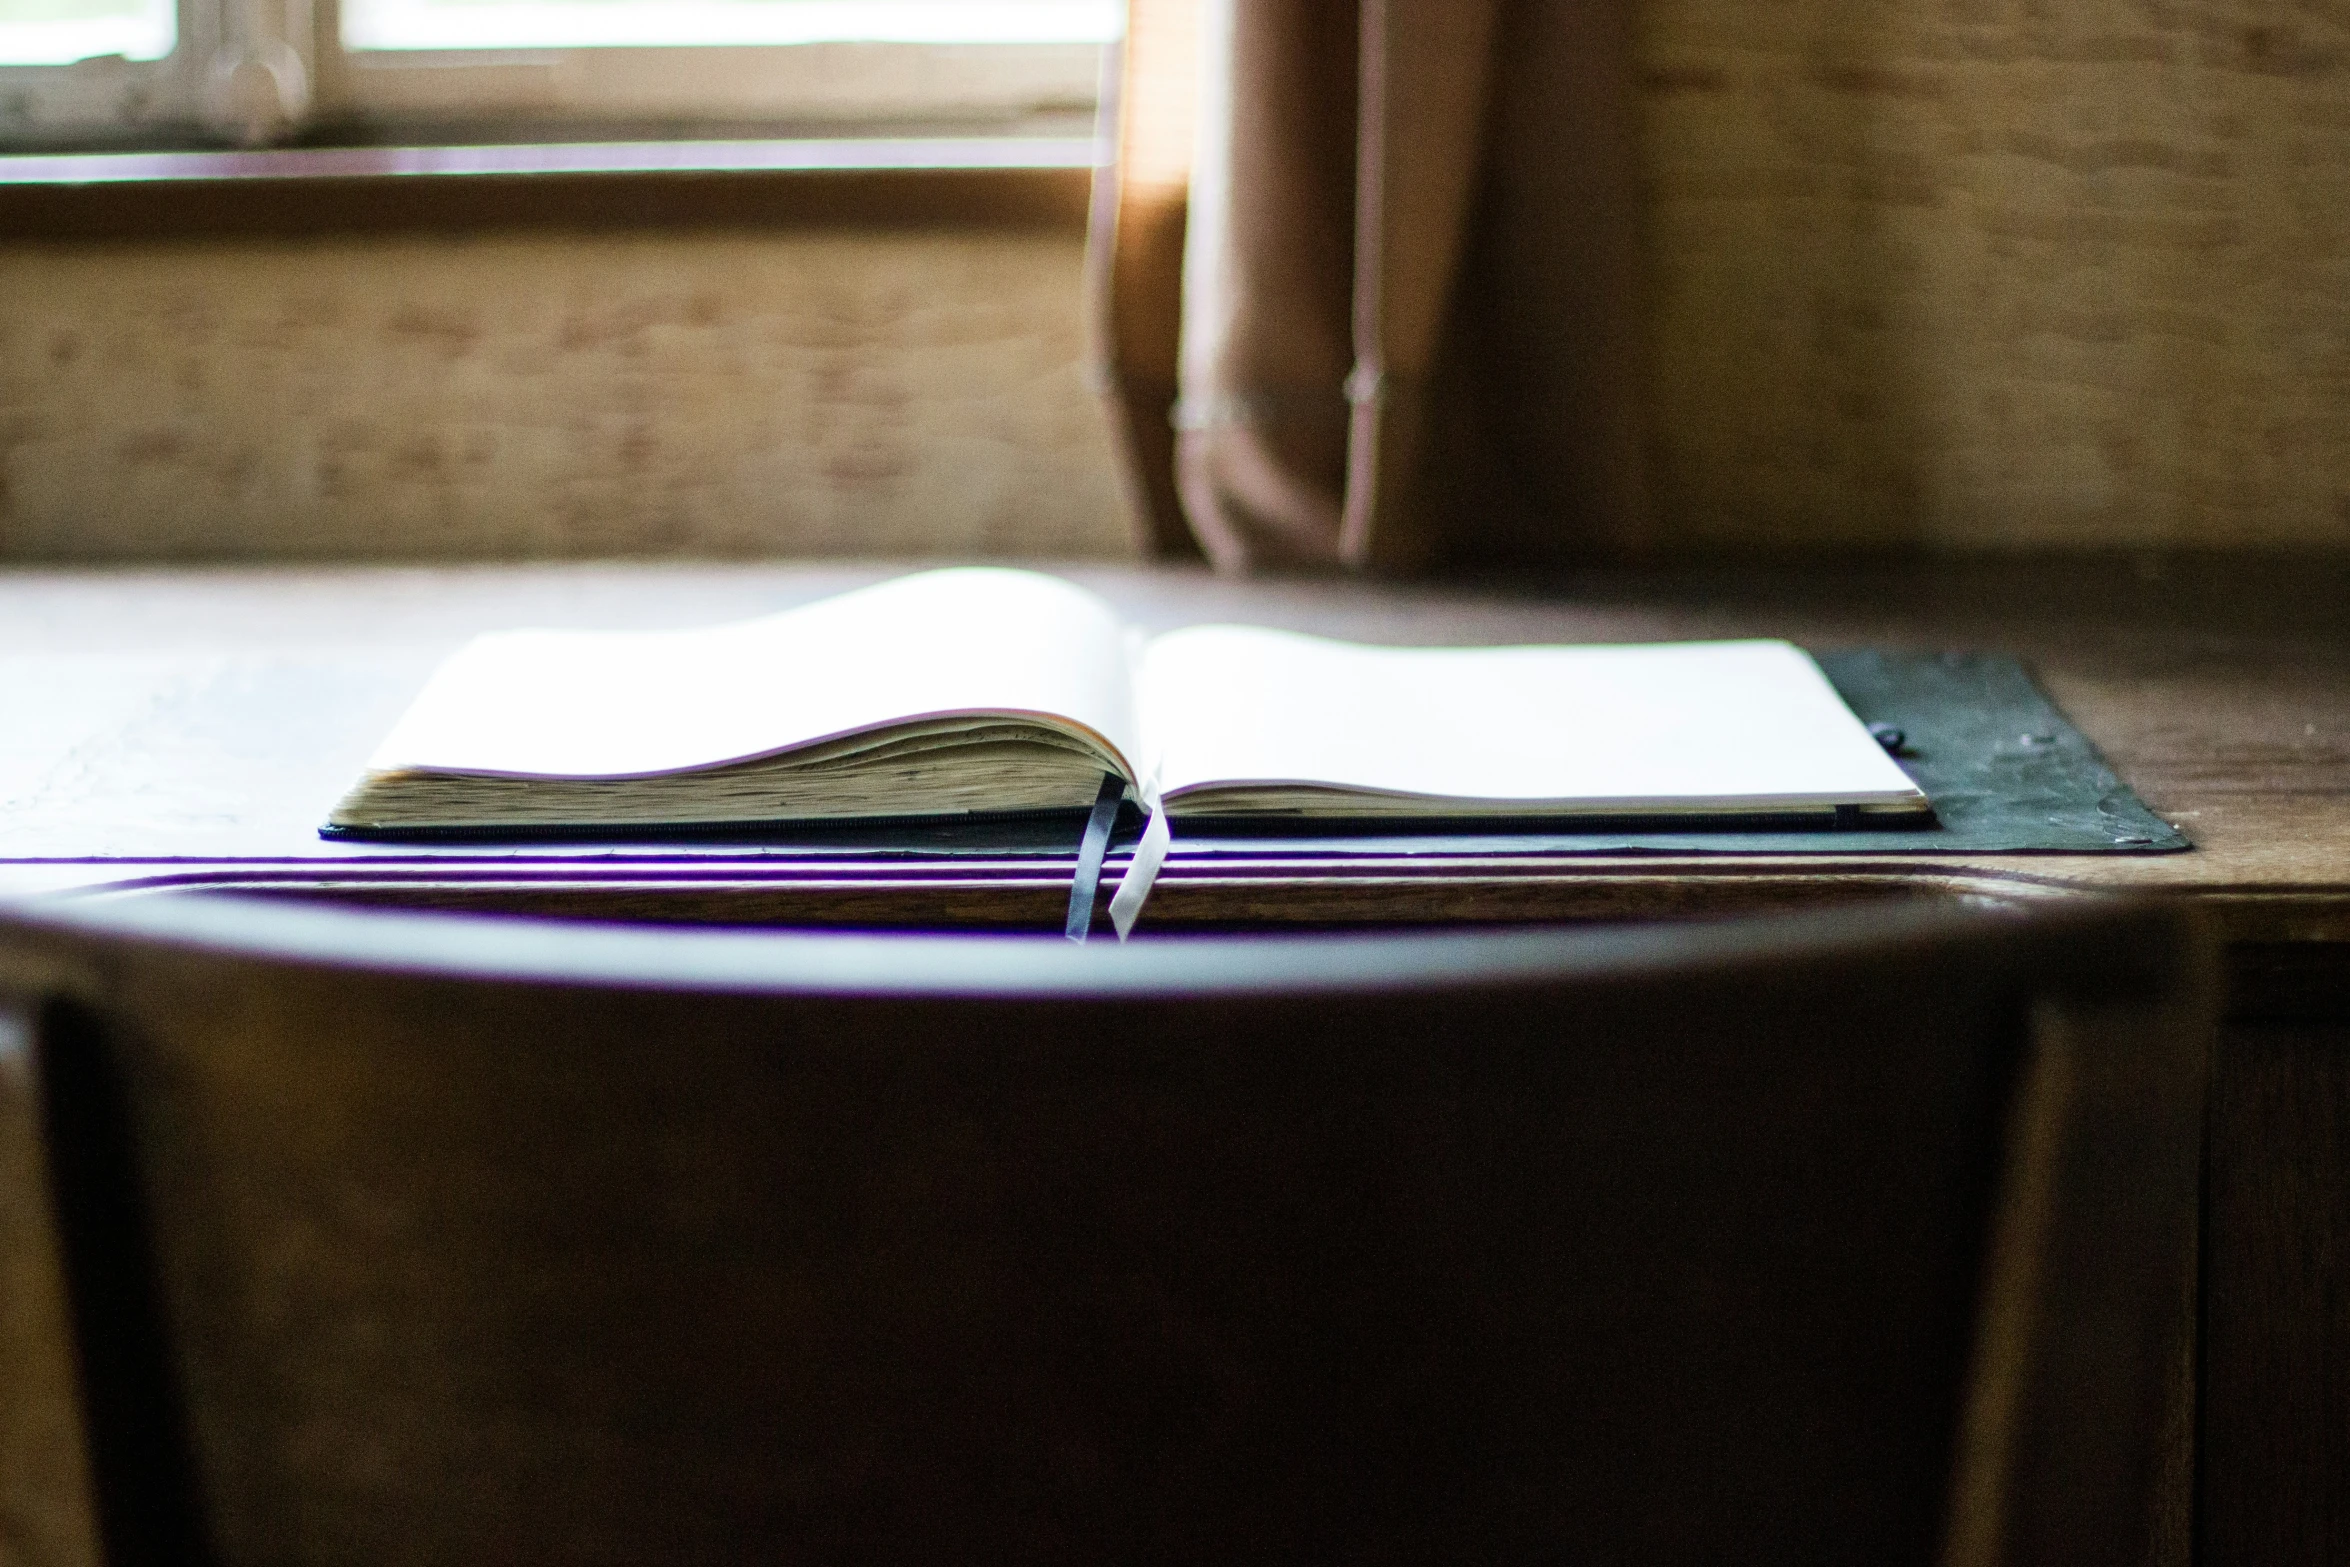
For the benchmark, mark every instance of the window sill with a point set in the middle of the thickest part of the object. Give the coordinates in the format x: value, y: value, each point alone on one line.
x: 1027, y: 182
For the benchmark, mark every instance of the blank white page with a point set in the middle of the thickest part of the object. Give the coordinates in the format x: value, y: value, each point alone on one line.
x: 1696, y: 725
x: 604, y: 704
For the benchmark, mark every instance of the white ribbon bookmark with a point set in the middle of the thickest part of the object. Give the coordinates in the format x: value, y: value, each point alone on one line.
x: 1134, y: 888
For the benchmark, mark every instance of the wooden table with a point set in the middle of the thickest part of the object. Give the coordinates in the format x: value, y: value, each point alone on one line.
x: 188, y: 728
x: 191, y: 728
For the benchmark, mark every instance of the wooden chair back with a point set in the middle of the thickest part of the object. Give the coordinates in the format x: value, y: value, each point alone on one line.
x: 397, y: 1238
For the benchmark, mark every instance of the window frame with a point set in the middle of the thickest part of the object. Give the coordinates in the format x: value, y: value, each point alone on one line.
x: 263, y: 72
x: 309, y: 192
x: 110, y: 99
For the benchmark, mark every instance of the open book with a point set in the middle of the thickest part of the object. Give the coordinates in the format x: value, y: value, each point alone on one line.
x: 970, y: 691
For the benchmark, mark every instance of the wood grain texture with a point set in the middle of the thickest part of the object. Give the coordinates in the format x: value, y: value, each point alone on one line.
x: 308, y: 192
x: 2220, y: 689
x: 2106, y: 1130
x: 1663, y: 1246
x: 2276, y: 1368
x: 1987, y: 272
x: 1953, y: 273
x: 432, y: 398
x: 209, y: 719
x: 1027, y: 897
x: 45, y: 1518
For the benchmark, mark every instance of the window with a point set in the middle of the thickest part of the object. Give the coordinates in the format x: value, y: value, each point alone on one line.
x: 150, y: 72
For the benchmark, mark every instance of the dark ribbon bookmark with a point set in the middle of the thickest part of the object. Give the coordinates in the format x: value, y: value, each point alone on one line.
x: 1091, y: 850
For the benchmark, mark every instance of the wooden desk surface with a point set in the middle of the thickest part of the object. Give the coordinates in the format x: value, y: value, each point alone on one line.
x: 190, y: 727
x: 176, y: 728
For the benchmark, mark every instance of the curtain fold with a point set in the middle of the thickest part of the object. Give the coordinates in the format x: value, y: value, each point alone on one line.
x: 1395, y: 325
x: 1261, y: 420
x: 1134, y: 257
x: 1425, y: 69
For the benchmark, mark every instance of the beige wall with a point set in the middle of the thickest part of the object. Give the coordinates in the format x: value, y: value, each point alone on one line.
x: 1959, y: 272
x: 691, y: 394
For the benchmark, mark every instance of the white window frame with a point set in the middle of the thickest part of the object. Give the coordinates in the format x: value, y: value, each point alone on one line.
x: 256, y: 72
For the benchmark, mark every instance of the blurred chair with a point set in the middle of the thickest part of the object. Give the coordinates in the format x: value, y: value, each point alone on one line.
x: 403, y: 1238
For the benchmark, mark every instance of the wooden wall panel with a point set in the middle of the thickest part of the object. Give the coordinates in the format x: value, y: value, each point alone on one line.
x: 2001, y: 272
x: 804, y: 392
x: 1944, y: 273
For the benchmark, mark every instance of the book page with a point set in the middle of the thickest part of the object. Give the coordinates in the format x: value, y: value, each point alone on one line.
x: 611, y: 704
x: 1721, y: 725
